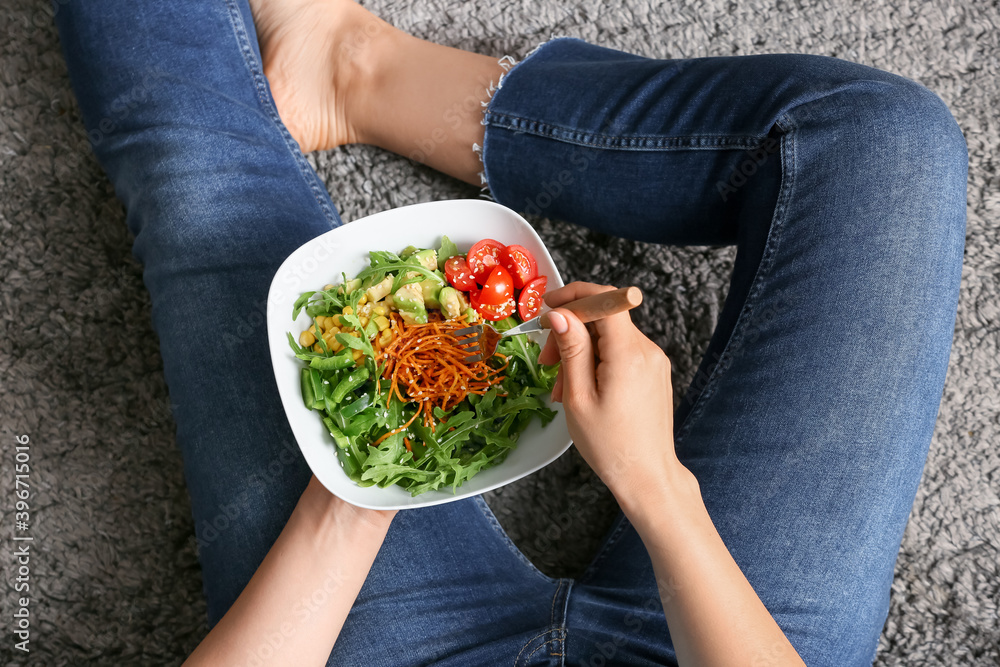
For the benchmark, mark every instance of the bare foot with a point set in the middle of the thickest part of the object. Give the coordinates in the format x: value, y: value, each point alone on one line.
x: 341, y: 75
x: 317, y: 56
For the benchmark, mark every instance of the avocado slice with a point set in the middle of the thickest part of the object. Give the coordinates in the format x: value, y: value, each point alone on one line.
x: 427, y: 259
x: 409, y: 299
x: 452, y: 302
x: 430, y: 289
x: 350, y: 286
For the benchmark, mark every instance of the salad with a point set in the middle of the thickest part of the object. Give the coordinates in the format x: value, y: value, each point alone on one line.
x: 400, y: 401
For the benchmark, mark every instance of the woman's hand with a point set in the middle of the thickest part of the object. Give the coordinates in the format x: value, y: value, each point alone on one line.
x: 619, y: 403
x: 615, y: 385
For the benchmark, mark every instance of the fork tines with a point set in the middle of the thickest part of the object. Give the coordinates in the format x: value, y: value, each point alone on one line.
x: 470, y: 344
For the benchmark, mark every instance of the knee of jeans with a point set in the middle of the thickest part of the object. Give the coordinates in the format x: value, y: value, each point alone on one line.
x: 896, y: 150
x: 194, y: 195
x: 927, y: 149
x: 925, y: 128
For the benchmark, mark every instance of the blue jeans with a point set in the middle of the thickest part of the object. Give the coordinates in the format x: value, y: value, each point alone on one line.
x: 808, y: 422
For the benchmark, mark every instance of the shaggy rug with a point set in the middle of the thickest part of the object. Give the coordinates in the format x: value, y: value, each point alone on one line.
x: 115, y: 570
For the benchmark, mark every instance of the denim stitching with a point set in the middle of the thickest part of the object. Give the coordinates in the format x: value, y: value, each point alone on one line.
x: 541, y: 646
x: 766, y: 262
x: 552, y: 607
x: 630, y: 142
x: 564, y: 631
x: 267, y: 104
x: 527, y: 644
x: 492, y: 520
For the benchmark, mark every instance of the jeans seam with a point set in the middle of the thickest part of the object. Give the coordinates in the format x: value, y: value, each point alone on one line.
x: 637, y: 142
x: 255, y: 69
x: 552, y: 607
x: 542, y: 646
x: 517, y: 658
x: 495, y: 525
x: 564, y: 631
x: 788, y: 142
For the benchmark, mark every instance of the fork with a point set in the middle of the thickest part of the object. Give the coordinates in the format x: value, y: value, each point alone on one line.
x: 481, y: 340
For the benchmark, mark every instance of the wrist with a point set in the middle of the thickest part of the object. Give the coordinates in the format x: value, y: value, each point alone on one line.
x: 329, y: 516
x: 649, y: 502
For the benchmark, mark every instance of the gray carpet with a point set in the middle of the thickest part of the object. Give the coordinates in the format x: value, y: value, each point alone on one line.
x: 115, y: 565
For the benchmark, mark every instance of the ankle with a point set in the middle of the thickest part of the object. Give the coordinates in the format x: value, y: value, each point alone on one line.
x: 362, y: 55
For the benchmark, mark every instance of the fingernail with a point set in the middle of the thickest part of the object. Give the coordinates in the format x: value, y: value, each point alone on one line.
x: 558, y: 322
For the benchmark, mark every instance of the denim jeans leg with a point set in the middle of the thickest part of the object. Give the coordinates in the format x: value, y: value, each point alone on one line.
x: 807, y: 425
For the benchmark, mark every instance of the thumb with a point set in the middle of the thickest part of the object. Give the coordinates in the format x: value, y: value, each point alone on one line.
x: 576, y: 351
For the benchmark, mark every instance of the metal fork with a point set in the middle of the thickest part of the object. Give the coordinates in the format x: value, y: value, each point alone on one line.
x: 481, y: 340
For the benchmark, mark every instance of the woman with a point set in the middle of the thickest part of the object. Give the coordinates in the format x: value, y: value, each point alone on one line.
x: 759, y: 524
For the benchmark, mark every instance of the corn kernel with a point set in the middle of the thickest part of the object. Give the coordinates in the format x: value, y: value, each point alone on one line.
x: 327, y: 287
x: 336, y: 346
x: 381, y: 309
x: 306, y: 339
x: 318, y: 348
x: 382, y: 322
x: 385, y: 337
x: 356, y: 354
x: 363, y: 300
x: 348, y: 310
x: 363, y: 320
x: 316, y: 331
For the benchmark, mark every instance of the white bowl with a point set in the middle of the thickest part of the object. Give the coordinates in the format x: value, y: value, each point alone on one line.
x: 345, y: 250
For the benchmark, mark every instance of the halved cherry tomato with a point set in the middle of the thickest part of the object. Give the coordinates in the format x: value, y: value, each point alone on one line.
x: 530, y: 301
x: 456, y: 269
x: 483, y: 256
x: 499, y: 288
x: 488, y: 312
x: 521, y: 264
x: 494, y: 313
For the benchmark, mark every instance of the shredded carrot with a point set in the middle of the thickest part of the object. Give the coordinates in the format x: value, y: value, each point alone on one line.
x: 425, y: 366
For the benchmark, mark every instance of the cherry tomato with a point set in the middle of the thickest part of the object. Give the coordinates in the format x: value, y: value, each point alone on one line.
x: 530, y: 301
x: 499, y: 288
x: 494, y: 313
x: 483, y: 256
x: 521, y: 264
x: 456, y: 269
x: 490, y: 312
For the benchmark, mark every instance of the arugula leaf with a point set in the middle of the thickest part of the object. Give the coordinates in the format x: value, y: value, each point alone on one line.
x: 380, y: 257
x: 300, y: 303
x: 403, y: 267
x: 522, y: 347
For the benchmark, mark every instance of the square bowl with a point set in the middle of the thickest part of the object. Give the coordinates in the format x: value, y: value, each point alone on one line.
x: 345, y: 250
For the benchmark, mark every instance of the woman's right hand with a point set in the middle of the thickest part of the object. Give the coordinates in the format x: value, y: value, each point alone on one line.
x: 614, y: 383
x: 619, y: 406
